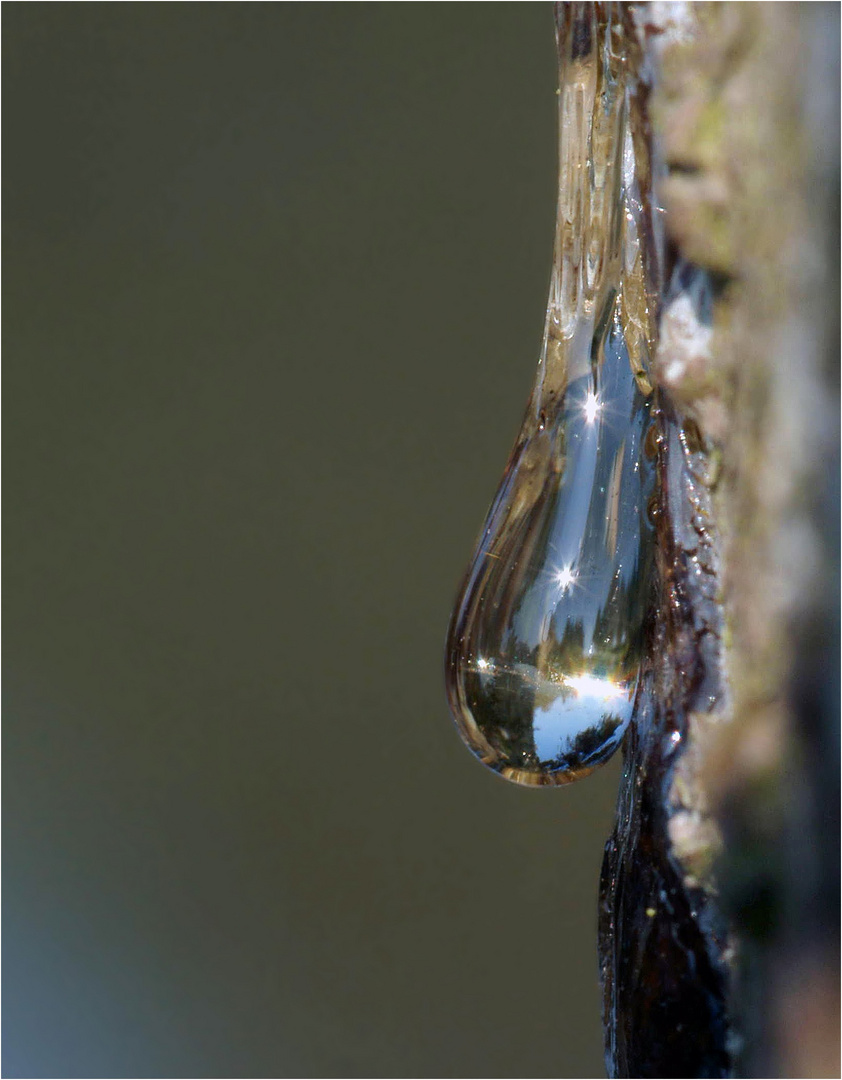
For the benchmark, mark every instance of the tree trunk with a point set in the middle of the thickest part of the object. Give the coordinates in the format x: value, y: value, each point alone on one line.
x: 719, y: 931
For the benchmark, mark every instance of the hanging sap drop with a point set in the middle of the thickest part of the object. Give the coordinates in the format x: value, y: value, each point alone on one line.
x: 547, y: 638
x: 546, y: 641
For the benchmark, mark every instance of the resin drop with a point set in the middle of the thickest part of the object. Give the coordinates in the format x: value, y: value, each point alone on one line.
x: 546, y: 641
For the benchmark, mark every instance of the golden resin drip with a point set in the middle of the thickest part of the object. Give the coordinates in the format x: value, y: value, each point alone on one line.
x: 546, y: 640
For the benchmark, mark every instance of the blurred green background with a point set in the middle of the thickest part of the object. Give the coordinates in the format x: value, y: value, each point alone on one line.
x: 275, y: 277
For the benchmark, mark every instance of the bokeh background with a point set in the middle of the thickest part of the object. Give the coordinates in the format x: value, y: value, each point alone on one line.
x: 275, y: 277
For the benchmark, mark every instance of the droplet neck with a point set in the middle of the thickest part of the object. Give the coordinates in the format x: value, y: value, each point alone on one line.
x: 591, y: 118
x: 602, y: 160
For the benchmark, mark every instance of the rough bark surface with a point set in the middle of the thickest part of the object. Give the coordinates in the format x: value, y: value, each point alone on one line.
x: 719, y: 944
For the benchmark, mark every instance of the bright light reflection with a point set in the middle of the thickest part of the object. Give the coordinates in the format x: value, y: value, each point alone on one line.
x: 590, y: 686
x: 482, y: 663
x: 592, y: 406
x: 565, y: 577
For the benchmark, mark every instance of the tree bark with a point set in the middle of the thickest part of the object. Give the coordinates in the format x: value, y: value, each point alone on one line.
x: 719, y: 943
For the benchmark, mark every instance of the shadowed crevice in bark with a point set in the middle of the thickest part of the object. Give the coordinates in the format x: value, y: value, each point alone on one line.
x: 663, y: 942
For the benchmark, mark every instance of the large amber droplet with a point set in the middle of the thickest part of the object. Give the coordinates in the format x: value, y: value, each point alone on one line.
x: 546, y: 640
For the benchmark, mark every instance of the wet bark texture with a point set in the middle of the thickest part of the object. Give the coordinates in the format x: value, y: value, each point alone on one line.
x: 719, y: 931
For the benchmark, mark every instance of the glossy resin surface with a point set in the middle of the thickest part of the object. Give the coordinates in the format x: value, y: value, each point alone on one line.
x: 546, y: 640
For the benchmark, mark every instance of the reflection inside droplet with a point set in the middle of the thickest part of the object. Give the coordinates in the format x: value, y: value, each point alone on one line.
x: 559, y: 726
